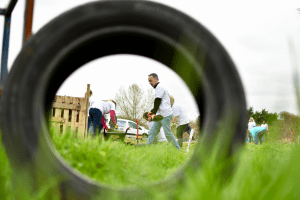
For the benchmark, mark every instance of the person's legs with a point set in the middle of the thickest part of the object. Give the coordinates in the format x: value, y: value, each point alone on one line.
x: 249, y: 137
x: 188, y: 129
x: 180, y: 131
x: 101, y: 126
x: 97, y: 115
x: 153, y: 132
x: 91, y: 113
x: 166, y: 123
x: 160, y: 137
x: 261, y: 136
x: 255, y: 139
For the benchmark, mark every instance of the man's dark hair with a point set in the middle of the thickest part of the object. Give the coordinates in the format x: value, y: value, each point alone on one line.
x: 154, y: 75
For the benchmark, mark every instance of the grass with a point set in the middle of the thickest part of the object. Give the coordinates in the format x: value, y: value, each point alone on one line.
x: 268, y: 171
x: 5, y: 174
x: 118, y: 164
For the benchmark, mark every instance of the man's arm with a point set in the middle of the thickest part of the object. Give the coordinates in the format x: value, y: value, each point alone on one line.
x: 103, y: 122
x: 113, y: 116
x: 157, y: 103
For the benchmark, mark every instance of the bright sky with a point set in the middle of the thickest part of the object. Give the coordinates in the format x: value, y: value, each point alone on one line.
x: 258, y: 35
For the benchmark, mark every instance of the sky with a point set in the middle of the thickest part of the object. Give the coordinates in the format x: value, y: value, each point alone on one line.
x: 261, y: 36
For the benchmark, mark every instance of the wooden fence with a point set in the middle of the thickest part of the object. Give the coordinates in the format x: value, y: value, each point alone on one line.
x: 70, y: 113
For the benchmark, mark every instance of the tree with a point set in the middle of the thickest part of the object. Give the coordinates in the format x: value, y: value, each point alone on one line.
x: 256, y: 117
x: 250, y: 112
x: 272, y: 117
x: 264, y: 115
x: 133, y: 102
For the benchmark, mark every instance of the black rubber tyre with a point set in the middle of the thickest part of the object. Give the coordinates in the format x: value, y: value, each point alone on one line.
x: 104, y: 28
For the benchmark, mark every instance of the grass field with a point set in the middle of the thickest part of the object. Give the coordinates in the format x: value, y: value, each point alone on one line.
x: 118, y: 164
x: 268, y: 171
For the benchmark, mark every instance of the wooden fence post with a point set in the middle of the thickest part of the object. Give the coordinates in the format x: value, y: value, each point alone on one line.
x: 87, y: 96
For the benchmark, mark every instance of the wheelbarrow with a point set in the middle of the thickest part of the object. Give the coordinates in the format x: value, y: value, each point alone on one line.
x: 116, y: 135
x: 120, y: 136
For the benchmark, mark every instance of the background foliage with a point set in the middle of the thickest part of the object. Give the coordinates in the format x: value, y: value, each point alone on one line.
x: 263, y: 115
x: 133, y: 102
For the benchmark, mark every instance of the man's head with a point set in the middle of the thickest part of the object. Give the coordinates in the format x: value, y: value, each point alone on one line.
x: 153, y: 79
x: 264, y: 122
x: 251, y: 119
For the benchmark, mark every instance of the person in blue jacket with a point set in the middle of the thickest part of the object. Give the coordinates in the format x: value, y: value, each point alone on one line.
x: 257, y: 134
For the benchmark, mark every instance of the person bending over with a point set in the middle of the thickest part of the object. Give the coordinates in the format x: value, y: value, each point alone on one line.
x: 180, y: 118
x: 97, y: 110
x: 257, y: 134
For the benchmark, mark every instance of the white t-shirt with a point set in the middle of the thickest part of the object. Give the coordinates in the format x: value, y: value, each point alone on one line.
x: 251, y: 125
x: 104, y: 106
x: 161, y: 137
x: 178, y: 111
x: 165, y: 106
x: 265, y: 126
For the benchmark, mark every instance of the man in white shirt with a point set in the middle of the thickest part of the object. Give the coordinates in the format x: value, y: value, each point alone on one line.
x: 267, y: 128
x: 180, y: 118
x: 265, y: 125
x: 162, y: 106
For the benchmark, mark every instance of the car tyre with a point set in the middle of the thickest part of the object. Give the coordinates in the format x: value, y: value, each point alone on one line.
x: 99, y: 29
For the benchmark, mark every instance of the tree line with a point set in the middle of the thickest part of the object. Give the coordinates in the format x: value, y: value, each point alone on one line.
x: 263, y: 115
